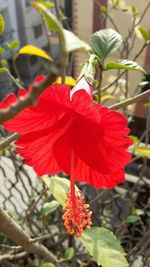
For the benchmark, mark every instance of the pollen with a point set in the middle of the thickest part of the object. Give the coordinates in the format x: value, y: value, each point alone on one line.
x: 77, y: 215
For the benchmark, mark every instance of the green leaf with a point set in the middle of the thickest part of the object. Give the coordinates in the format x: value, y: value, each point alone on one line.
x: 134, y: 138
x: 34, y: 50
x: 133, y: 218
x: 103, y: 8
x: 73, y: 42
x: 58, y: 187
x: 69, y: 253
x: 143, y: 150
x: 137, y: 212
x: 123, y: 64
x: 69, y: 41
x: 47, y: 264
x: 49, y: 207
x: 83, y: 71
x: 146, y: 105
x: 47, y: 4
x: 104, y: 247
x: 107, y: 97
x: 2, y: 24
x: 4, y: 62
x: 148, y: 213
x: 105, y: 42
x: 13, y: 45
x: 116, y: 3
x: 144, y: 32
x: 51, y: 21
x: 2, y: 50
x: 3, y: 70
x: 134, y: 10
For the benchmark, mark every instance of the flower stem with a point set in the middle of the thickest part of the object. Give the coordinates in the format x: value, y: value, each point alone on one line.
x: 72, y: 186
x: 99, y: 85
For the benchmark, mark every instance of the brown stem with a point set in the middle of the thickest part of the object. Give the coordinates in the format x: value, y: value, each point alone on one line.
x: 57, y: 10
x: 130, y: 101
x: 13, y: 231
x: 99, y: 85
x: 13, y: 256
x: 30, y: 98
x: 11, y: 138
x: 143, y: 14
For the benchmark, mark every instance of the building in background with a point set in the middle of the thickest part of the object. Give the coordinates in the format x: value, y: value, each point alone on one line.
x: 83, y: 17
x: 30, y: 31
x: 87, y: 18
x: 22, y: 24
x: 7, y: 10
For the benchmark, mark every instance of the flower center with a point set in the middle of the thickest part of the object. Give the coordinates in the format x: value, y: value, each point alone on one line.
x: 77, y: 215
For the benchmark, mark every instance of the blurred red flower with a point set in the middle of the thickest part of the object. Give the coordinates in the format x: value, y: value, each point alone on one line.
x: 65, y: 131
x: 65, y: 123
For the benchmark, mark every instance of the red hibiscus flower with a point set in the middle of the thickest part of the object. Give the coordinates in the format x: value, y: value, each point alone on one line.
x: 66, y: 131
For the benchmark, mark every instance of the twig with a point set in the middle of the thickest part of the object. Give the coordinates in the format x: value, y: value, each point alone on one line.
x: 13, y: 256
x: 121, y: 74
x: 30, y: 98
x: 14, y: 80
x: 13, y: 231
x: 143, y: 14
x: 57, y: 10
x: 130, y: 101
x: 8, y: 140
x: 34, y: 240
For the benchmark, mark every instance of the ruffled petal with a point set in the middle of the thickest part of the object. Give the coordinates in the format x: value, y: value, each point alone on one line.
x: 82, y: 104
x: 96, y: 144
x: 61, y: 123
x: 83, y: 173
x: 37, y: 147
x: 51, y: 106
x: 10, y: 99
x: 62, y: 151
x: 82, y: 84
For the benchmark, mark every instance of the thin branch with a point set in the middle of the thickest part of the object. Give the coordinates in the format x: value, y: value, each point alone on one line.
x: 11, y: 138
x: 18, y: 85
x: 30, y: 98
x: 13, y: 231
x: 13, y: 256
x: 121, y: 74
x: 108, y: 16
x: 34, y: 240
x: 130, y: 101
x: 143, y: 14
x: 57, y: 10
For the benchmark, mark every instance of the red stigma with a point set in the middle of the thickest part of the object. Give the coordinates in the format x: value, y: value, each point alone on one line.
x: 77, y: 216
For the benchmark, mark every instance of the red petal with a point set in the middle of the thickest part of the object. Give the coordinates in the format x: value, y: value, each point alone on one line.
x: 62, y: 151
x: 83, y: 173
x: 82, y: 104
x: 95, y: 144
x: 37, y: 147
x: 10, y: 99
x: 51, y: 106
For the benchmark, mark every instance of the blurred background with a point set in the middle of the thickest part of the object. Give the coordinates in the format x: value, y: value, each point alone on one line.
x: 124, y: 209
